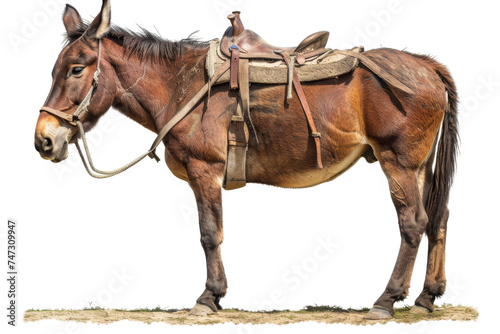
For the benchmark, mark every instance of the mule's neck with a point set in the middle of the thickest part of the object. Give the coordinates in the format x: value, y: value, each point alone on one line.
x: 150, y: 92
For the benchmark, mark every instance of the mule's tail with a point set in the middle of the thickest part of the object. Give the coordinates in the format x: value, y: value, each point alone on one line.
x: 447, y: 151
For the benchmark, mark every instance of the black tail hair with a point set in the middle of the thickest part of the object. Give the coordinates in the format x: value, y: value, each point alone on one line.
x: 447, y: 152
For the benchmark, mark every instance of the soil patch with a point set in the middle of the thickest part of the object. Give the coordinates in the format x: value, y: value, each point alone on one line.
x: 323, y: 314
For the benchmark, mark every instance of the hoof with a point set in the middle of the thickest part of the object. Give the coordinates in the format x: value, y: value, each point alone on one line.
x: 201, y: 310
x: 378, y: 313
x: 419, y: 310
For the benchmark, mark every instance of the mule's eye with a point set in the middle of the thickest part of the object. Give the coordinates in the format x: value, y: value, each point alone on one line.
x: 77, y: 70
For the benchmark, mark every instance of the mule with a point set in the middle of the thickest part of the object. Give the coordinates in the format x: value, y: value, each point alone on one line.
x: 148, y: 79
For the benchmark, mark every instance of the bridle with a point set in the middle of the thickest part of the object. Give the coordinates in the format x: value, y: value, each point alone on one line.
x: 75, y: 118
x: 82, y: 108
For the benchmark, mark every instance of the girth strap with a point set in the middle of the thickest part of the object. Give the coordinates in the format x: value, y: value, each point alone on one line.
x: 305, y: 106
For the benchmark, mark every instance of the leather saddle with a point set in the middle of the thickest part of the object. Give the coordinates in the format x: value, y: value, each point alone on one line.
x: 252, y: 46
x: 238, y: 42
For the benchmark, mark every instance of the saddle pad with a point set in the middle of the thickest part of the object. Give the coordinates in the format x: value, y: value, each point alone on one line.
x: 328, y: 65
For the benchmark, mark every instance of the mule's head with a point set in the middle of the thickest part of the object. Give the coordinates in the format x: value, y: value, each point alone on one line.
x: 72, y: 78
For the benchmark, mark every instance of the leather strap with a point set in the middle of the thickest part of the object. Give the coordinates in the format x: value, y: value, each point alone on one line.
x: 291, y: 68
x: 244, y: 87
x: 235, y: 58
x: 238, y: 135
x: 379, y: 71
x: 301, y: 59
x: 244, y: 83
x: 186, y: 110
x: 67, y: 117
x: 305, y: 106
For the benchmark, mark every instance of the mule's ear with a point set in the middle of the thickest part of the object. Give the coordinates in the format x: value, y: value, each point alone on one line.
x: 100, y: 26
x: 72, y: 20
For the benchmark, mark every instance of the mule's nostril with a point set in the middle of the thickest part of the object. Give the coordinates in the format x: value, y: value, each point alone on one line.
x: 47, y: 145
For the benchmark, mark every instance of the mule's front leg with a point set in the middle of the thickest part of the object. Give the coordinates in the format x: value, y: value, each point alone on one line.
x: 206, y: 186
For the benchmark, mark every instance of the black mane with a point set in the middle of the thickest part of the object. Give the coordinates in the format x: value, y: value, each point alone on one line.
x: 145, y: 44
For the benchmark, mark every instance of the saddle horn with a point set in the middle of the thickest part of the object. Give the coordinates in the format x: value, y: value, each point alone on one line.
x: 235, y: 19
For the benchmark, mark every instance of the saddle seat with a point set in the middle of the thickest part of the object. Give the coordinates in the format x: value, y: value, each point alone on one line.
x: 251, y: 45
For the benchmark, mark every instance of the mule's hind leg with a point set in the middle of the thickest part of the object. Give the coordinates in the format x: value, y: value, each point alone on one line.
x: 412, y: 218
x: 435, y: 279
x: 203, y: 179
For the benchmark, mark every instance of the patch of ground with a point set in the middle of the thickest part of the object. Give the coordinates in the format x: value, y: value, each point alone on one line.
x: 324, y: 314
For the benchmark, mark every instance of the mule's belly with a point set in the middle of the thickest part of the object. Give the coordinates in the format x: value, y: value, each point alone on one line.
x: 289, y: 176
x: 329, y: 172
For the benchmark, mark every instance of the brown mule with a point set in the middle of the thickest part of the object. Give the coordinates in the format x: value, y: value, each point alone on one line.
x: 358, y: 115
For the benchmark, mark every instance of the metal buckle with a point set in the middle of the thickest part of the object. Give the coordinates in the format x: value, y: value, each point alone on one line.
x: 74, y: 119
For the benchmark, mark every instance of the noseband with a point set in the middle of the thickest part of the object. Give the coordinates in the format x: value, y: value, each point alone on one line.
x: 83, y: 106
x: 75, y: 120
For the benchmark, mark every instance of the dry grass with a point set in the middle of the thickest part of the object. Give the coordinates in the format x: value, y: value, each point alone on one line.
x: 323, y: 314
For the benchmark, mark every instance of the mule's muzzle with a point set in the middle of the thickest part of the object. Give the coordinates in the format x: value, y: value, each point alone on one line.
x: 53, y: 148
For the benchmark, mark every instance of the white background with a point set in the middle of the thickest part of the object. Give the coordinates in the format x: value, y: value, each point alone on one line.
x: 77, y: 234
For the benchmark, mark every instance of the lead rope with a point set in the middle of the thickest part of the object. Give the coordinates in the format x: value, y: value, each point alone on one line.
x: 79, y: 113
x: 101, y: 174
